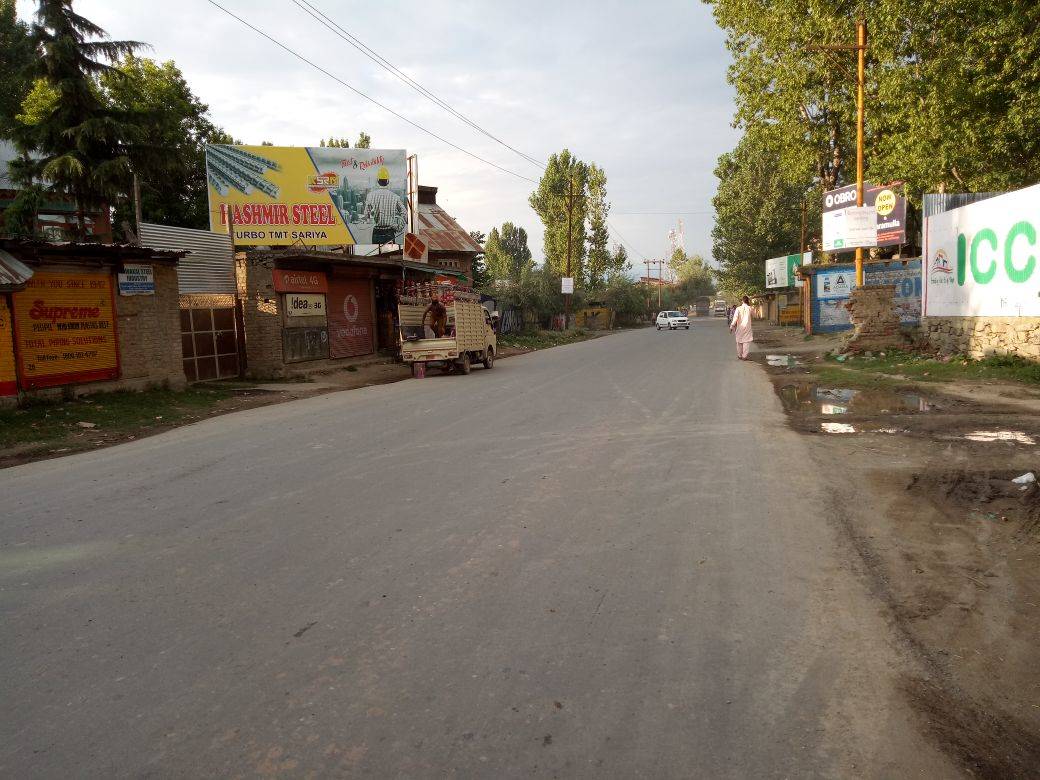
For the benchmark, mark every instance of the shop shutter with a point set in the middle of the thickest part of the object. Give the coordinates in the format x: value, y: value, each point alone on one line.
x: 350, y: 318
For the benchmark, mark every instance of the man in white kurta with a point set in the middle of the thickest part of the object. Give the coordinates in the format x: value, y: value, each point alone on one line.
x: 740, y: 327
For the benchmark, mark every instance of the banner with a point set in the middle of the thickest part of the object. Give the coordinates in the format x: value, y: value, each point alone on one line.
x: 782, y: 271
x: 889, y: 222
x: 8, y: 384
x: 981, y: 259
x: 65, y: 329
x: 315, y: 196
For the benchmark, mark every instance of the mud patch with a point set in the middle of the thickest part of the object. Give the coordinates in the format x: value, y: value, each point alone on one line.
x: 809, y: 398
x: 990, y: 744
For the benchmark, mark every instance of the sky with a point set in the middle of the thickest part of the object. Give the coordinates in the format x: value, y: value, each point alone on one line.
x: 639, y: 88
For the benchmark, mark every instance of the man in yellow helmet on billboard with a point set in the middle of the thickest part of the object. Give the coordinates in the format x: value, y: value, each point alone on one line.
x: 386, y: 209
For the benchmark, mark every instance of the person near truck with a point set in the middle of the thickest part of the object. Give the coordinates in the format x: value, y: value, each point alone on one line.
x: 438, y: 314
x: 740, y: 327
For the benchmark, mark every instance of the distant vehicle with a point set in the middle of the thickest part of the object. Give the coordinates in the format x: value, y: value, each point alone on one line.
x: 672, y: 320
x: 720, y: 308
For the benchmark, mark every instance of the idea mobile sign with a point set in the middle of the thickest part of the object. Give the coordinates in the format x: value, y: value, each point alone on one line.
x: 981, y: 260
x: 890, y: 220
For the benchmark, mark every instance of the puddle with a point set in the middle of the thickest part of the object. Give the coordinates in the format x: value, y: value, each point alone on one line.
x: 835, y: 427
x: 813, y: 399
x: 782, y: 361
x: 1017, y: 437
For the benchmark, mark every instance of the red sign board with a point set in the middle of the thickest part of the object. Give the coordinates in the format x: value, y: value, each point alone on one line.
x: 349, y: 312
x: 414, y: 247
x: 300, y: 281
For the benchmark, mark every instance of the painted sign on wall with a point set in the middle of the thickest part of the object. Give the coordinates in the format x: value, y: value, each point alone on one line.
x: 350, y: 318
x: 299, y: 281
x: 981, y: 259
x: 65, y: 329
x: 317, y: 196
x: 831, y: 292
x: 8, y: 384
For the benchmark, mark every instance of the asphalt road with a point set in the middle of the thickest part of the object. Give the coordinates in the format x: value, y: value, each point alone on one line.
x: 606, y: 559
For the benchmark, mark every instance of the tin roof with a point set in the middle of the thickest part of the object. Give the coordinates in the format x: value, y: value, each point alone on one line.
x: 13, y: 273
x: 391, y: 261
x: 441, y: 233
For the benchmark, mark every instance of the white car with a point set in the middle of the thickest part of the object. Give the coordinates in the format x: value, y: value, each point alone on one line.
x: 672, y: 320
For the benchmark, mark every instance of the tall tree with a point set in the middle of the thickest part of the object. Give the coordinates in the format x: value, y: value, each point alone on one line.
x: 81, y: 142
x: 561, y: 198
x: 618, y: 265
x: 364, y: 141
x: 15, y: 65
x: 598, y: 232
x: 508, y: 255
x: 175, y: 130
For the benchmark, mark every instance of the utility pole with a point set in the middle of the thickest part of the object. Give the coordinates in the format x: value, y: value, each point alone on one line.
x: 137, y: 207
x: 860, y: 47
x: 660, y: 281
x: 802, y: 244
x: 570, y: 212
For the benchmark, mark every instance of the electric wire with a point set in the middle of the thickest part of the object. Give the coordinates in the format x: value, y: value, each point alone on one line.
x: 371, y: 99
x: 322, y: 18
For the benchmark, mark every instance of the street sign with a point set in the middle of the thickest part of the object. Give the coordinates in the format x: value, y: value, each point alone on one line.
x: 567, y: 285
x: 414, y: 248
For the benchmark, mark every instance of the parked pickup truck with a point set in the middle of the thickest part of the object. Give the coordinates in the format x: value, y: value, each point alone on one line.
x: 470, y: 336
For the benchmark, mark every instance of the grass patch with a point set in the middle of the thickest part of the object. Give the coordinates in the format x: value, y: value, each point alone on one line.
x: 54, y: 423
x: 541, y: 339
x: 927, y: 369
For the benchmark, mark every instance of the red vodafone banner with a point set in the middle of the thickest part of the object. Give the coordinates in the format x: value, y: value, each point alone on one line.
x: 350, y: 318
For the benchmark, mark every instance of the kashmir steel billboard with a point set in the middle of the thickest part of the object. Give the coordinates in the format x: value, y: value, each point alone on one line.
x: 315, y: 196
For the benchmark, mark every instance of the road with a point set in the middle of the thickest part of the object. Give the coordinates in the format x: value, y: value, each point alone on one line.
x: 608, y: 559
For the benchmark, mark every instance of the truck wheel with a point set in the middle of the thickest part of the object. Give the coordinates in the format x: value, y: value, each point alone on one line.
x: 489, y: 358
x: 464, y: 363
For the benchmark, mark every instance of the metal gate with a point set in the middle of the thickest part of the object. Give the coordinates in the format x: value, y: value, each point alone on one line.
x: 210, y: 343
x: 351, y: 331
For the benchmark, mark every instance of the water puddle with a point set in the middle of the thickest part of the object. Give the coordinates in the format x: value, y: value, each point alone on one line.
x: 835, y: 427
x: 782, y: 361
x: 813, y: 399
x: 1017, y: 437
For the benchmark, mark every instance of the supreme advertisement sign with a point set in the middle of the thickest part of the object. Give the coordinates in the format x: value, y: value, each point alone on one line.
x: 299, y: 281
x: 351, y: 332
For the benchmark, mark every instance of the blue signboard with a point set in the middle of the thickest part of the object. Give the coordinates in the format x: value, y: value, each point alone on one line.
x: 831, y: 289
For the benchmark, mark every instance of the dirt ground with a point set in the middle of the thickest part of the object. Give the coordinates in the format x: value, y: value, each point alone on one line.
x: 922, y: 489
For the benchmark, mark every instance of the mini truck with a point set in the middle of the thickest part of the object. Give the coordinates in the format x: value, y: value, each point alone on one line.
x: 470, y: 336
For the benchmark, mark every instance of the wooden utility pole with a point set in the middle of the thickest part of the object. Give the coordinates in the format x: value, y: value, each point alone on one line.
x: 660, y: 281
x: 137, y: 208
x: 802, y: 244
x: 570, y: 213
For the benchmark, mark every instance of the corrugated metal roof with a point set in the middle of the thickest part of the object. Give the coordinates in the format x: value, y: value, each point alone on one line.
x: 13, y: 273
x: 441, y: 233
x: 937, y: 203
x: 207, y: 268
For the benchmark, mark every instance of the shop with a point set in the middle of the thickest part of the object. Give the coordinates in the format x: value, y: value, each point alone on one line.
x: 306, y: 311
x: 87, y: 317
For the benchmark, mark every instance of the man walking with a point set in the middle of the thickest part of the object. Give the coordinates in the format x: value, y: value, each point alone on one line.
x: 386, y: 209
x: 740, y: 327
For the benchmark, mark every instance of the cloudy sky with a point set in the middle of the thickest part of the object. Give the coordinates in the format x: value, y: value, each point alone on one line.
x: 637, y: 87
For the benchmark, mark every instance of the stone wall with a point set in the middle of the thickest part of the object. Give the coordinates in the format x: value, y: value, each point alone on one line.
x: 980, y: 337
x: 875, y: 319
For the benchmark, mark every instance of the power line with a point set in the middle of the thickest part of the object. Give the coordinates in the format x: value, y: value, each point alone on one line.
x: 625, y: 241
x: 665, y: 213
x: 322, y: 18
x: 357, y: 91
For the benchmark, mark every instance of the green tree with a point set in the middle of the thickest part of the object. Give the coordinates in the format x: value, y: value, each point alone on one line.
x: 364, y: 141
x: 176, y: 128
x: 481, y: 280
x: 618, y: 264
x: 15, y: 65
x: 82, y: 143
x: 507, y: 252
x: 694, y: 277
x: 562, y: 197
x: 598, y: 233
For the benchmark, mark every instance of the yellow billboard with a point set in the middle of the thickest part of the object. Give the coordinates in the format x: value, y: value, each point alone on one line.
x: 314, y: 196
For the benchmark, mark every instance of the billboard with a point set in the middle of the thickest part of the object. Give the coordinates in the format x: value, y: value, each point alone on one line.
x: 315, y: 196
x: 780, y: 271
x: 833, y: 288
x: 981, y: 260
x: 890, y: 219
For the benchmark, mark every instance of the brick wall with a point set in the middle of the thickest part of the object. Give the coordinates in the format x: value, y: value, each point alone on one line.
x: 984, y: 336
x: 149, y: 334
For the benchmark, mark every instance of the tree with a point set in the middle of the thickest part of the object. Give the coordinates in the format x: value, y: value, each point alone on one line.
x: 364, y: 141
x: 618, y: 265
x: 695, y: 279
x: 598, y: 233
x: 757, y: 212
x: 481, y: 280
x: 563, y: 190
x: 176, y: 128
x: 81, y: 142
x: 18, y: 56
x: 507, y: 252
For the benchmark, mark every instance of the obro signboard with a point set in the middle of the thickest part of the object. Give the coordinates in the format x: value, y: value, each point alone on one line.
x: 317, y: 196
x: 981, y: 259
